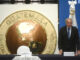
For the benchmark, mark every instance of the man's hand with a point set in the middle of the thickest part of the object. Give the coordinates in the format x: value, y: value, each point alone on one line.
x: 60, y: 51
x: 77, y: 53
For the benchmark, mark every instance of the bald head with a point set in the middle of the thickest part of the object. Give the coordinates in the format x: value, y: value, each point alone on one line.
x: 68, y: 22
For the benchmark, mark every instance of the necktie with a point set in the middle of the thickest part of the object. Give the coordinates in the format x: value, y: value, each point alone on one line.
x: 68, y: 32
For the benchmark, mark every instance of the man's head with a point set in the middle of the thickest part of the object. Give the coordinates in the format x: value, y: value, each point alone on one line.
x: 68, y: 22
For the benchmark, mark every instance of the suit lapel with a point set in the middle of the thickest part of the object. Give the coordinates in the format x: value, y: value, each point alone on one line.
x: 66, y: 32
x: 71, y: 32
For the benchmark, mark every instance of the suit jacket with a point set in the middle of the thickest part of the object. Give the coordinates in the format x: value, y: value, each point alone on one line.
x: 67, y: 44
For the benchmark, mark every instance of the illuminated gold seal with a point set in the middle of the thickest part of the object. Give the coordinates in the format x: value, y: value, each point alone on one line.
x: 28, y: 28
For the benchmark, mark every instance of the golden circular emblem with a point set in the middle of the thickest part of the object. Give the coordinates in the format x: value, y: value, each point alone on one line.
x: 28, y: 28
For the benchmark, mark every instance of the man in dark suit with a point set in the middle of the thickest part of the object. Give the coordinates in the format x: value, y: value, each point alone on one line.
x: 68, y: 38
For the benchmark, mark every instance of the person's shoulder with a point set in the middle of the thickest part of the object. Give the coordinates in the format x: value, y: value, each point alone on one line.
x: 62, y: 28
x: 75, y: 28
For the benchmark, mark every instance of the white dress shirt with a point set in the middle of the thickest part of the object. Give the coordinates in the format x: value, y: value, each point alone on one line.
x: 69, y: 31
